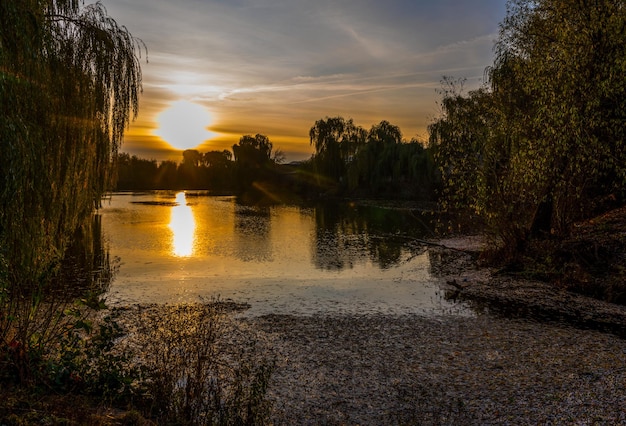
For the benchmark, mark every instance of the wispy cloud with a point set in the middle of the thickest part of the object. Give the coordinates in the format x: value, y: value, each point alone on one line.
x: 292, y: 61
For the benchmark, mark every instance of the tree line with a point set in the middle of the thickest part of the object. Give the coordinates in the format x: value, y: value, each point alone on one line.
x: 254, y: 160
x: 211, y: 170
x: 348, y: 161
x: 351, y: 160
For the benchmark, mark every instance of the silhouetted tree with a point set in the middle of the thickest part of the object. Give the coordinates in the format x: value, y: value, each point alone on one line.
x: 190, y: 173
x: 381, y: 153
x: 69, y: 84
x: 374, y: 163
x: 217, y: 159
x: 253, y: 158
x: 136, y: 173
x: 192, y: 158
x: 253, y: 150
x: 278, y: 157
x: 167, y: 176
x: 336, y: 141
x: 387, y: 166
x: 219, y: 171
x: 384, y: 134
x: 211, y: 170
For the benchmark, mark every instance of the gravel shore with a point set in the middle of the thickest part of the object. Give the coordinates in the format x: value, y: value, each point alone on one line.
x: 530, y: 355
x: 541, y: 358
x: 416, y: 370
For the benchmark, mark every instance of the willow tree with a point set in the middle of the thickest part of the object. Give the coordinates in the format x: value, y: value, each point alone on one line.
x: 372, y: 164
x: 543, y: 144
x: 253, y: 160
x: 336, y: 141
x: 69, y: 84
x: 565, y: 61
x: 460, y: 138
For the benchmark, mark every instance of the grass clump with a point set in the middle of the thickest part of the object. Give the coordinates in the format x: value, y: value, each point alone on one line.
x: 200, y: 368
x: 186, y: 364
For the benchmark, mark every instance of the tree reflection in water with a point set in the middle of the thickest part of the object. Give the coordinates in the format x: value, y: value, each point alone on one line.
x: 346, y: 234
x: 334, y: 257
x: 252, y: 233
x: 87, y: 267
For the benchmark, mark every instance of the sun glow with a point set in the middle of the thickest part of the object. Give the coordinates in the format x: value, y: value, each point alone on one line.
x: 184, y: 125
x: 183, y: 226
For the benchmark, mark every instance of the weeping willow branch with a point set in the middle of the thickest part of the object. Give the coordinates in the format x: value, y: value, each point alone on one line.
x: 70, y: 80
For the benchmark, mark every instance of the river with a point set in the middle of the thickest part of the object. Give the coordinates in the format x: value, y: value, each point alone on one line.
x: 332, y: 258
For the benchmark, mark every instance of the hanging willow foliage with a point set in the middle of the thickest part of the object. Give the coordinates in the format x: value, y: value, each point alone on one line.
x: 69, y: 84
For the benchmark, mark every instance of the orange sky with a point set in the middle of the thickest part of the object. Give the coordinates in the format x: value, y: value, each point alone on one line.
x: 275, y: 67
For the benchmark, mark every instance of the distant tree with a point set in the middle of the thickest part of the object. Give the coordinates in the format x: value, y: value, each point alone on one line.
x: 383, y: 134
x: 218, y: 159
x: 192, y: 158
x: 190, y: 173
x: 278, y: 157
x: 124, y: 171
x: 376, y: 162
x: 386, y: 165
x: 382, y: 153
x: 253, y: 159
x: 211, y: 170
x: 136, y: 173
x: 336, y: 141
x: 167, y: 176
x: 253, y: 150
x: 219, y: 166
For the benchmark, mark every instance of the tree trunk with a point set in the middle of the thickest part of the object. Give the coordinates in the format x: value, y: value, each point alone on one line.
x: 542, y: 221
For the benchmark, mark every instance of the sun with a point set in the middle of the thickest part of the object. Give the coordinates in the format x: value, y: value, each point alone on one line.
x: 184, y: 125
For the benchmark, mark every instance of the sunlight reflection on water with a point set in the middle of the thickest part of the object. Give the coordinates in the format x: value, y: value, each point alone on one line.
x: 280, y: 259
x: 183, y: 226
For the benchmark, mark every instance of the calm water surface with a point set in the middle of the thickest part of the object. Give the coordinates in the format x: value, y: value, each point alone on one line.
x: 175, y: 247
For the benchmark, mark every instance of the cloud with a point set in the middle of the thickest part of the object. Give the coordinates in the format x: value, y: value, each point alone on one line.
x: 292, y: 61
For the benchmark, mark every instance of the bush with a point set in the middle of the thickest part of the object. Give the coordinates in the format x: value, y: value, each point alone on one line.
x: 198, y: 367
x: 185, y: 364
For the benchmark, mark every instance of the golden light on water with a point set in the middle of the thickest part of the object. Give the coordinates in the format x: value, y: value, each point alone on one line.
x: 183, y: 226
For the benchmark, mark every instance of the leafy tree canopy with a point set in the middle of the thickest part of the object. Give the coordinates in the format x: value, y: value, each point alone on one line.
x: 543, y: 144
x: 69, y: 84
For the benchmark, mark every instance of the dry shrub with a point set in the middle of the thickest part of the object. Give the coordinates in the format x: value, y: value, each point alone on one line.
x: 200, y: 367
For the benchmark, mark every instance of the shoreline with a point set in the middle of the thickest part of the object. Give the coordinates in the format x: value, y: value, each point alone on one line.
x: 505, y: 296
x: 411, y: 369
x: 532, y: 354
x: 546, y: 356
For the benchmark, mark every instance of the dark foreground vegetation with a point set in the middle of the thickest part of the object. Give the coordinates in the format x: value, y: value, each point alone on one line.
x: 69, y: 83
x: 537, y: 156
x: 542, y: 147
